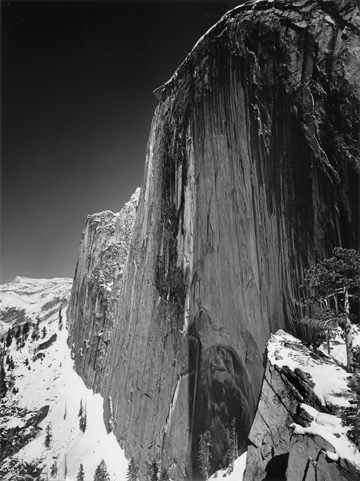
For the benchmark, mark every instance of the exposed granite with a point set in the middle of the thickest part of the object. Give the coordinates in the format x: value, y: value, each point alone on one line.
x: 97, y: 283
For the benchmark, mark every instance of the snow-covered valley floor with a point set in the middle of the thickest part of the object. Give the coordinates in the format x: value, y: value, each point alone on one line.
x: 44, y: 376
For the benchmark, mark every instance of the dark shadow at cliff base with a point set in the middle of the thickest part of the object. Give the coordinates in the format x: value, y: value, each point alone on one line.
x: 219, y: 392
x: 276, y: 468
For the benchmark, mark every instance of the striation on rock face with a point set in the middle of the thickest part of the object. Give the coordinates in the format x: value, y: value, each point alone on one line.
x: 288, y: 439
x: 97, y: 283
x: 251, y: 173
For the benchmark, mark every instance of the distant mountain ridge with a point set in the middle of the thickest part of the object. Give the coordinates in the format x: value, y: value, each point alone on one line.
x: 25, y: 298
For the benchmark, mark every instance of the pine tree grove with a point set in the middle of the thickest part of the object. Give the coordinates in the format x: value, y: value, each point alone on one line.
x: 330, y: 287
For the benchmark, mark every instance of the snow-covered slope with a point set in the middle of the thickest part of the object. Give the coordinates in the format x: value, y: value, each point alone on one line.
x: 44, y: 395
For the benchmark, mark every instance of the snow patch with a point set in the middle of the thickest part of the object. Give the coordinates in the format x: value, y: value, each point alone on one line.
x: 236, y: 475
x: 331, y: 429
x: 331, y: 380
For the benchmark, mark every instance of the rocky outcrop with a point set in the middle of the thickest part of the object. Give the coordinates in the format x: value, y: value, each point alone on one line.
x: 14, y: 438
x: 97, y: 283
x: 49, y: 342
x: 285, y: 442
x: 251, y: 173
x: 38, y: 417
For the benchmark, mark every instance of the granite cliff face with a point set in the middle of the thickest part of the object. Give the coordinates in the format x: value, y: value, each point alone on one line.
x: 251, y: 173
x: 97, y: 283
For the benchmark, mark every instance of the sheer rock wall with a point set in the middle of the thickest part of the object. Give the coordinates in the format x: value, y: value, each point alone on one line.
x: 97, y: 283
x: 251, y: 173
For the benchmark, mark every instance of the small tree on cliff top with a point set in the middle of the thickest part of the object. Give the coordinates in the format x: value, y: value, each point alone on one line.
x: 333, y: 284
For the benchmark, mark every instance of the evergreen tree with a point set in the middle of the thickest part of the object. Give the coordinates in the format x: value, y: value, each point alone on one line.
x: 44, y: 332
x: 54, y: 468
x: 153, y: 470
x: 204, y: 454
x: 48, y: 436
x: 3, y: 384
x: 81, y: 474
x: 331, y: 286
x: 10, y: 362
x: 65, y: 468
x: 233, y: 446
x: 101, y: 473
x: 133, y: 471
x: 35, y: 333
x: 83, y: 419
x: 9, y: 338
x: 26, y: 329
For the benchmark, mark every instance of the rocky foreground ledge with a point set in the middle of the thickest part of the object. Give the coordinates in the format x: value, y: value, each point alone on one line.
x: 298, y: 433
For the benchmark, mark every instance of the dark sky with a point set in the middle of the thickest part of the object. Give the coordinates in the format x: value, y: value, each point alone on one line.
x: 76, y: 106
